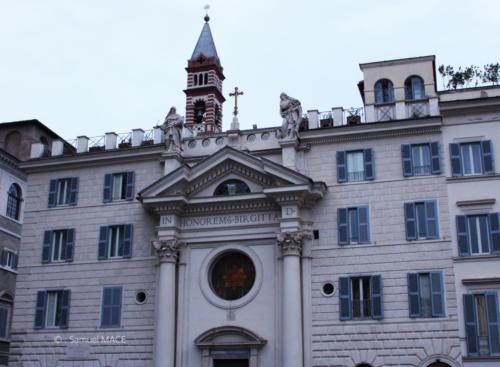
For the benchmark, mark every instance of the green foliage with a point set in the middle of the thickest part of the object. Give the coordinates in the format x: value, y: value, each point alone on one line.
x: 470, y: 75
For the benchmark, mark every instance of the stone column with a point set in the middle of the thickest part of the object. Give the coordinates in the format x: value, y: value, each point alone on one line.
x: 167, y: 252
x: 290, y: 244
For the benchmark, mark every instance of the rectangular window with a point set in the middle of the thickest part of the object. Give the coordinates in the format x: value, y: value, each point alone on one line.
x: 115, y: 242
x: 472, y: 158
x: 52, y: 309
x: 118, y: 186
x: 9, y: 259
x: 478, y: 234
x: 63, y: 191
x: 353, y: 225
x: 4, y: 322
x: 58, y: 245
x: 360, y: 297
x: 421, y: 220
x: 426, y: 294
x: 421, y: 155
x: 421, y: 159
x: 355, y: 166
x: 111, y: 307
x: 482, y: 326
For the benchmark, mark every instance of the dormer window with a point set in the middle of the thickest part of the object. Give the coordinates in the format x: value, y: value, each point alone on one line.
x: 414, y: 88
x: 384, y: 91
x: 232, y: 187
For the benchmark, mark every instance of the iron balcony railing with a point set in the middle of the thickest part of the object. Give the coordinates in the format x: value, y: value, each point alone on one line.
x: 355, y: 176
x: 424, y: 170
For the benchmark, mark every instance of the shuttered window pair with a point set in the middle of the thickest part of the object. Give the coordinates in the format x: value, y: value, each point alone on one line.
x: 360, y: 297
x: 478, y: 234
x: 353, y: 225
x: 118, y: 186
x: 420, y: 159
x: 482, y: 324
x: 63, y: 191
x: 115, y: 242
x: 474, y: 158
x: 58, y: 245
x: 421, y: 219
x: 111, y: 307
x: 426, y: 294
x: 355, y: 165
x: 8, y: 259
x: 52, y: 309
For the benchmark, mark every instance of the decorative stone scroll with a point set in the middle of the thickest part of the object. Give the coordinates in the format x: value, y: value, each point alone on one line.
x: 167, y: 250
x: 291, y: 243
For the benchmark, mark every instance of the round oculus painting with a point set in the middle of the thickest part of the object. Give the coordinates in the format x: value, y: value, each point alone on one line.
x: 232, y: 275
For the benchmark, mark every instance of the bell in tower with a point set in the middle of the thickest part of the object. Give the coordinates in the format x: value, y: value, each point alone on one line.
x: 204, y: 97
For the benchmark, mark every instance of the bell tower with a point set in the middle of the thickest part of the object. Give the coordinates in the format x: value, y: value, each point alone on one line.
x: 204, y: 97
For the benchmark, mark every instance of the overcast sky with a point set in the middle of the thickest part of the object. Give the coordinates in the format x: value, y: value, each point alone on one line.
x: 87, y: 67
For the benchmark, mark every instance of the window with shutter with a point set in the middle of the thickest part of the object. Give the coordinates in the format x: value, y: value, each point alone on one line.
x: 472, y: 158
x: 353, y: 225
x: 421, y: 220
x: 478, y: 234
x: 111, y: 306
x: 115, y: 242
x: 426, y: 295
x: 119, y: 186
x: 421, y: 159
x: 9, y: 259
x: 482, y: 324
x: 63, y: 191
x: 52, y: 309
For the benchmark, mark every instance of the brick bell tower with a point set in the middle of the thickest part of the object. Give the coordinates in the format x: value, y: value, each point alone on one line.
x: 204, y: 97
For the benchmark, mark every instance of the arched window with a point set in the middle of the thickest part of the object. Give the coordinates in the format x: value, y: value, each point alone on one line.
x: 414, y: 88
x: 195, y: 79
x: 199, y: 111
x: 13, y: 143
x: 439, y: 364
x: 14, y: 201
x: 384, y: 91
x: 206, y: 78
x: 232, y: 187
x: 363, y: 365
x: 218, y: 115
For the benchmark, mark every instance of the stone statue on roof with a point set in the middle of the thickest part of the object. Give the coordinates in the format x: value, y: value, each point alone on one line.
x: 172, y: 127
x: 291, y: 111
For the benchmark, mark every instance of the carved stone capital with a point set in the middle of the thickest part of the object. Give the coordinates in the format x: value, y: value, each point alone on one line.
x: 167, y: 250
x: 290, y: 243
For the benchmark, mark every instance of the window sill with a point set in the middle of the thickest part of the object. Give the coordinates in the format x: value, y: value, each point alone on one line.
x: 481, y: 358
x: 357, y: 244
x: 115, y: 259
x: 488, y: 257
x: 383, y: 104
x: 481, y: 177
x: 18, y: 221
x: 10, y: 270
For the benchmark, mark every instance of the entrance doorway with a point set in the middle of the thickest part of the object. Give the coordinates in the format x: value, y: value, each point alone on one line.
x: 231, y: 363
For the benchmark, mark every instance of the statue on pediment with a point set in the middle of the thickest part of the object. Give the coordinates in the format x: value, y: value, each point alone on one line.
x: 172, y: 127
x: 291, y: 111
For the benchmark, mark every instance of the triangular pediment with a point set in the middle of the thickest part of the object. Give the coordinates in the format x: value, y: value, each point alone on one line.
x: 188, y: 181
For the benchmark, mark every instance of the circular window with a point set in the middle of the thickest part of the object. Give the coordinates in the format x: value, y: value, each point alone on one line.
x: 205, y: 142
x: 251, y: 138
x: 140, y: 297
x: 219, y: 140
x: 192, y: 144
x: 264, y: 136
x: 232, y: 275
x: 328, y: 289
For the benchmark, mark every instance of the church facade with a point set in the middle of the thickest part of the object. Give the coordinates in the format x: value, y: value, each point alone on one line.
x: 361, y: 237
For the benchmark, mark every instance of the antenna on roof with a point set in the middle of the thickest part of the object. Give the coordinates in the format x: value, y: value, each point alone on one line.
x: 206, y: 7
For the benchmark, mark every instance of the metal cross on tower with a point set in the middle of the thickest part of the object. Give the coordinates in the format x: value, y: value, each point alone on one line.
x: 235, y: 94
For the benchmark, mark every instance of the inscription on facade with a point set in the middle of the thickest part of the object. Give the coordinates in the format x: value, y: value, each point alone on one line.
x: 229, y: 220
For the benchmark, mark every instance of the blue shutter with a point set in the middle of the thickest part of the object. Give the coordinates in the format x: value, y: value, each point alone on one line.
x: 342, y: 226
x: 73, y: 194
x: 407, y: 160
x: 103, y: 243
x: 495, y: 233
x: 462, y: 235
x: 117, y: 306
x: 493, y: 322
x: 413, y: 295
x: 52, y: 193
x: 345, y: 298
x: 435, y: 161
x: 456, y: 160
x: 437, y: 294
x: 14, y: 261
x: 106, y: 310
x: 70, y: 244
x: 364, y: 224
x: 111, y: 307
x: 470, y: 324
x: 341, y: 167
x: 65, y: 304
x: 108, y: 188
x: 41, y: 301
x: 376, y: 297
x: 3, y: 259
x: 130, y: 186
x: 432, y: 220
x: 369, y: 164
x: 411, y: 223
x: 488, y: 168
x: 46, y: 249
x: 3, y: 322
x: 127, y: 240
